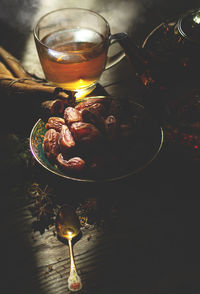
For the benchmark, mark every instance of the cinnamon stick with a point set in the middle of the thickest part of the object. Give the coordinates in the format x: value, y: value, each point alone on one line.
x: 4, y: 72
x: 13, y: 64
x: 15, y: 86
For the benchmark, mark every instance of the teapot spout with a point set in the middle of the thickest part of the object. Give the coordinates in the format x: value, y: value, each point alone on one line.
x: 152, y: 71
x: 149, y: 73
x: 137, y: 56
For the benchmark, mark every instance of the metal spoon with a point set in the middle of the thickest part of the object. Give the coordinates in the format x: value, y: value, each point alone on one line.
x: 68, y: 227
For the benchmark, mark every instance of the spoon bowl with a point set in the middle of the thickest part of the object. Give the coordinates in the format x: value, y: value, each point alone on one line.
x: 67, y: 222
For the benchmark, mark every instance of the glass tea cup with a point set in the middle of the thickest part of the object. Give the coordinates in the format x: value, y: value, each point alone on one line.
x: 72, y: 45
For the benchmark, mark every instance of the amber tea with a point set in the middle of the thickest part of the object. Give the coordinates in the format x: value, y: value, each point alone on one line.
x: 72, y: 45
x: 75, y: 59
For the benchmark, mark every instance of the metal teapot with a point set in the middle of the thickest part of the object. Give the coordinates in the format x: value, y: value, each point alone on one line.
x: 170, y: 53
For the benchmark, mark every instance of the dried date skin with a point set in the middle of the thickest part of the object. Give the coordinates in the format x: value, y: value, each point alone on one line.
x: 65, y: 140
x: 55, y: 123
x: 92, y: 115
x: 50, y: 144
x: 85, y: 132
x: 99, y: 107
x: 54, y: 107
x: 81, y: 105
x: 111, y: 127
x: 72, y: 115
x: 87, y: 103
x: 75, y: 164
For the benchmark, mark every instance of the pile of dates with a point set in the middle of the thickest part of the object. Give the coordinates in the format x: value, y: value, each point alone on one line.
x: 91, y: 136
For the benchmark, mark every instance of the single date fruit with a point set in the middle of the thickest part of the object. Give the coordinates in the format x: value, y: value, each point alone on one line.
x: 50, y: 144
x: 75, y: 164
x: 65, y: 140
x: 55, y: 123
x: 99, y: 107
x: 85, y: 132
x: 88, y: 102
x: 72, y: 115
x: 93, y: 116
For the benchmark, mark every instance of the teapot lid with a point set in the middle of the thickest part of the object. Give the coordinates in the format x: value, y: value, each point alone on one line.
x: 189, y: 25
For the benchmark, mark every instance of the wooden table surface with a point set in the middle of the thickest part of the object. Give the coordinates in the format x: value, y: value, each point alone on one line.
x: 146, y: 239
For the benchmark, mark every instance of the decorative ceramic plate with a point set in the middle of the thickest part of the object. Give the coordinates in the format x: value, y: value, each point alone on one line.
x: 137, y: 155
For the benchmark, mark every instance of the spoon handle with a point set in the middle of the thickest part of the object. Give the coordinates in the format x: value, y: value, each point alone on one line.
x: 74, y: 281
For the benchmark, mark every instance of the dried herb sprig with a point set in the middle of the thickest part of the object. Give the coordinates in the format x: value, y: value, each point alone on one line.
x: 44, y: 207
x: 87, y: 212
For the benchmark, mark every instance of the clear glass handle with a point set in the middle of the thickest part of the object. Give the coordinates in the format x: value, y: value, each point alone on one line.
x: 112, y: 60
